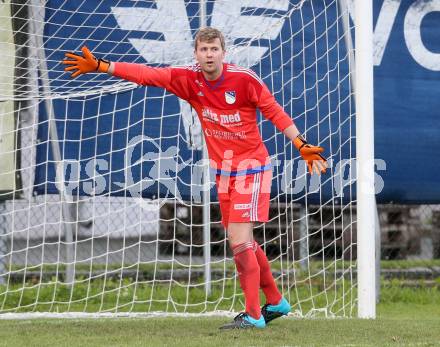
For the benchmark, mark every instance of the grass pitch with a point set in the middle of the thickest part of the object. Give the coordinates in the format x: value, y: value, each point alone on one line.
x: 398, y: 324
x: 408, y: 315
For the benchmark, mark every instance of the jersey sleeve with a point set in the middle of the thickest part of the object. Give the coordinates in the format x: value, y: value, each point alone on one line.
x: 270, y: 108
x: 172, y: 79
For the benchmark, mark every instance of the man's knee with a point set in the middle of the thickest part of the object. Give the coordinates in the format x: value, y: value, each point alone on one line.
x: 240, y: 233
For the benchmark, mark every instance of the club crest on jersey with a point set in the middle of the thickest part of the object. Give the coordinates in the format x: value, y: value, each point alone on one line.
x: 230, y: 97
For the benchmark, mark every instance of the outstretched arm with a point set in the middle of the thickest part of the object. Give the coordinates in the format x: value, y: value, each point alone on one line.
x: 175, y: 82
x: 138, y: 73
x: 275, y: 113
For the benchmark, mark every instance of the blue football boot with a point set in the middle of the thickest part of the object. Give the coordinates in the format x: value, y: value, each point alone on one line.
x: 271, y: 312
x: 244, y: 321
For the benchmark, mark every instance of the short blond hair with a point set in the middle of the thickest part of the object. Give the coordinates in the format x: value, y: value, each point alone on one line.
x: 208, y: 34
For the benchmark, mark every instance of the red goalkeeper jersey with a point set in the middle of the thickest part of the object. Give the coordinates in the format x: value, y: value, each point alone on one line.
x: 226, y: 108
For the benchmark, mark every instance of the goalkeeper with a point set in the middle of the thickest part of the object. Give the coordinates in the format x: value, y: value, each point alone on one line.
x: 226, y: 97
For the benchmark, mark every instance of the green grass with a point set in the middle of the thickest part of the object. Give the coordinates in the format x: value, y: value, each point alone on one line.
x: 397, y: 325
x: 127, y: 295
x: 407, y: 264
x: 147, y: 269
x: 408, y: 315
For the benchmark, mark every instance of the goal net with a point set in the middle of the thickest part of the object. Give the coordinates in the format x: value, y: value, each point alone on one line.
x: 106, y: 203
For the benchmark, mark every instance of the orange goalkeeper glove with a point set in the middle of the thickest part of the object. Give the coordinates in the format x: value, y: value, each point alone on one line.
x: 86, y: 63
x: 311, y: 154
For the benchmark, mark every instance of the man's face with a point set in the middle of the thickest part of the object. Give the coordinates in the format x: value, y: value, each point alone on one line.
x: 210, y: 56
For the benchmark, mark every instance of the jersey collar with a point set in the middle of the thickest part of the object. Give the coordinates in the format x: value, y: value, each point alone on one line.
x: 217, y: 82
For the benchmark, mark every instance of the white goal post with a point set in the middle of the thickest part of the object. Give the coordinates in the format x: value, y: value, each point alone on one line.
x: 366, y: 203
x: 107, y: 207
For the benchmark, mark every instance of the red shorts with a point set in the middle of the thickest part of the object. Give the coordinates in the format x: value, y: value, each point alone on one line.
x: 245, y: 198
